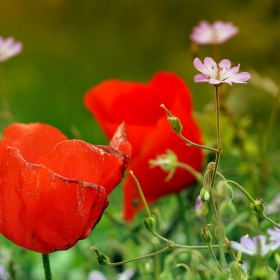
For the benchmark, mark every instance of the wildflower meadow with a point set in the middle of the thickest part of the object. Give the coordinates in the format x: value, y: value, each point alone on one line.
x: 139, y: 140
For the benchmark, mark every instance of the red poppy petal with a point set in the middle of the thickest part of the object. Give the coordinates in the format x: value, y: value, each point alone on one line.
x: 33, y: 140
x: 78, y: 160
x: 152, y: 180
x: 112, y: 102
x: 119, y: 141
x: 42, y: 211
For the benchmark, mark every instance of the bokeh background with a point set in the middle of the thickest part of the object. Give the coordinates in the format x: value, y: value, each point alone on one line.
x: 71, y: 46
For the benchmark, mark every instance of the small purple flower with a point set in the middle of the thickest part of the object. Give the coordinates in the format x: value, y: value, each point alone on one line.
x: 274, y: 236
x: 96, y: 275
x: 3, y: 273
x: 218, y: 74
x: 255, y: 246
x: 127, y: 274
x: 217, y: 33
x: 9, y: 48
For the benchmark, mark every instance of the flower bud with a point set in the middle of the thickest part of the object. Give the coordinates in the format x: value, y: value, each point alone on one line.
x: 102, y: 259
x: 204, y: 272
x: 230, y: 192
x: 227, y: 210
x: 206, y: 235
x: 237, y: 272
x: 224, y: 190
x: 220, y: 233
x: 175, y: 124
x: 204, y: 194
x: 200, y: 208
x: 258, y: 207
x: 150, y: 223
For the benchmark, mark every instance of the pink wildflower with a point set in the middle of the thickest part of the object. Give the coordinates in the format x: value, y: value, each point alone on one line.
x: 217, y: 33
x: 218, y: 74
x: 9, y: 48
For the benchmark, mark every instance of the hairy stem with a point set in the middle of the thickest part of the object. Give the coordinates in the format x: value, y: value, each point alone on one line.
x: 47, y: 267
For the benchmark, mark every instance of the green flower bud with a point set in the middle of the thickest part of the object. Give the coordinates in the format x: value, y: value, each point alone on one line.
x: 204, y: 194
x: 150, y: 223
x: 227, y: 210
x: 230, y: 192
x: 258, y: 207
x: 224, y: 190
x: 237, y: 272
x: 204, y: 272
x: 175, y: 124
x: 206, y: 235
x: 102, y: 259
x: 220, y: 233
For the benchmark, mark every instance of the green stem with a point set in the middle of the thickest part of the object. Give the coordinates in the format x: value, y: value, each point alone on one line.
x: 141, y: 194
x: 220, y: 228
x: 194, y: 247
x: 214, y: 257
x: 169, y: 242
x: 140, y: 258
x: 269, y: 220
x: 47, y: 267
x: 190, y: 143
x: 196, y: 174
x: 242, y: 190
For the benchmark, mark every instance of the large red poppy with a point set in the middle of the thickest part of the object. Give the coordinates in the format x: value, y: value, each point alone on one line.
x: 53, y: 191
x: 114, y: 101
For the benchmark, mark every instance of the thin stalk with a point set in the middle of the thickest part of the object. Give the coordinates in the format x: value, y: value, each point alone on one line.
x: 196, y: 174
x: 242, y: 190
x: 47, y: 267
x: 169, y: 242
x: 190, y: 143
x: 212, y: 201
x: 194, y: 247
x: 146, y: 207
x: 271, y: 221
x: 140, y: 258
x: 214, y: 258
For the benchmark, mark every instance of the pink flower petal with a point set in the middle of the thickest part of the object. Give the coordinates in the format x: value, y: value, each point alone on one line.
x: 201, y: 78
x: 225, y: 63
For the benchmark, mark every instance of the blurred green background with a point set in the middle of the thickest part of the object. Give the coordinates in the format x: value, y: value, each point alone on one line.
x: 71, y: 46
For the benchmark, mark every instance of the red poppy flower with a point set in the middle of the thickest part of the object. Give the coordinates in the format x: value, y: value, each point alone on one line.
x: 53, y: 191
x: 148, y: 131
